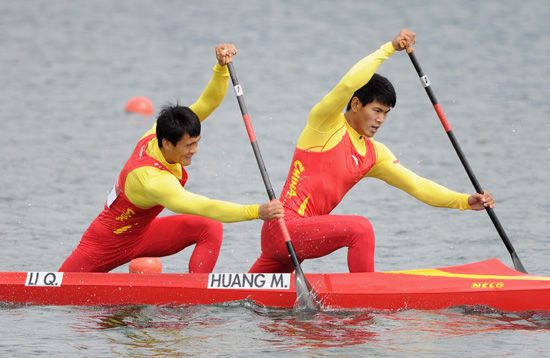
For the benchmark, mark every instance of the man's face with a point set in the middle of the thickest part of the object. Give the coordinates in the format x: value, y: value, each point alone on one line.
x: 183, y: 151
x: 370, y: 117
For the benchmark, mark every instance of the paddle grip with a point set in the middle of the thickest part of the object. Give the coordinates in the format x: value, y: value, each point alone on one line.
x: 403, y: 44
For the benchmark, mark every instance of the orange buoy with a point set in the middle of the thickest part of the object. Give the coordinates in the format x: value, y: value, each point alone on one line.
x: 139, y: 104
x: 146, y: 265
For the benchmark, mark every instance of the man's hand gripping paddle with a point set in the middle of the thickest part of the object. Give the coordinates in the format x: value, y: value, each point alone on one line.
x: 306, y: 297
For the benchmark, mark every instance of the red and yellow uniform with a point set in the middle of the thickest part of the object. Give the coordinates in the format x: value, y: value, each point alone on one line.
x: 128, y: 226
x: 330, y: 158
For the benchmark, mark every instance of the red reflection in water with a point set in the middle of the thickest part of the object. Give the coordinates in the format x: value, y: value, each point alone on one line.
x: 462, y: 321
x: 323, y: 329
x: 311, y: 329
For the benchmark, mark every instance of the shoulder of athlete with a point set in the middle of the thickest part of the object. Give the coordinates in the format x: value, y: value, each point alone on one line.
x: 384, y: 158
x: 383, y: 153
x: 153, y: 130
x: 149, y: 177
x: 315, y: 137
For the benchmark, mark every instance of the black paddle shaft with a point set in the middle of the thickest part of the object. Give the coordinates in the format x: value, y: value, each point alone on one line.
x: 250, y: 131
x: 307, y: 297
x: 426, y: 84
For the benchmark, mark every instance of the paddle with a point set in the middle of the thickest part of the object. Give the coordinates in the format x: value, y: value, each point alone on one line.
x: 306, y: 296
x: 426, y: 84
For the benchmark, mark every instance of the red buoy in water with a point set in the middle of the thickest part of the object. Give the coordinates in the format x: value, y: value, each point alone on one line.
x: 146, y: 265
x: 140, y: 104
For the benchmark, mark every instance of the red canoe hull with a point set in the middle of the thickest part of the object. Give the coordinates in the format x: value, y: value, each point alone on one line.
x: 487, y: 283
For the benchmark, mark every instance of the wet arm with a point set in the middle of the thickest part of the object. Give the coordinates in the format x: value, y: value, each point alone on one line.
x: 213, y: 94
x: 388, y: 169
x: 147, y: 187
x: 324, y: 113
x: 210, y: 98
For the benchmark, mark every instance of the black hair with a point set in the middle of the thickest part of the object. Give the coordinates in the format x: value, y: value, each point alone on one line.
x: 174, y: 121
x: 379, y: 88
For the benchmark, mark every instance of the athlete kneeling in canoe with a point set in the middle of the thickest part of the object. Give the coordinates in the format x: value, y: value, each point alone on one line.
x: 334, y: 152
x: 153, y: 179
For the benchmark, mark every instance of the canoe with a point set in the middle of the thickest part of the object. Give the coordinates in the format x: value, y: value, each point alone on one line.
x: 487, y: 283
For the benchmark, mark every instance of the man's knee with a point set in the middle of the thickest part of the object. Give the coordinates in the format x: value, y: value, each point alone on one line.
x: 213, y: 231
x: 362, y: 226
x: 363, y: 234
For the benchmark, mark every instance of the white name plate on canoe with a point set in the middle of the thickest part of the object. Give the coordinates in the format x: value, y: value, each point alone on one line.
x: 264, y: 281
x: 44, y: 279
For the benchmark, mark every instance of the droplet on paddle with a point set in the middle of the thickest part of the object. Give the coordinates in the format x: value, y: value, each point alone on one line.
x: 146, y: 265
x: 139, y: 104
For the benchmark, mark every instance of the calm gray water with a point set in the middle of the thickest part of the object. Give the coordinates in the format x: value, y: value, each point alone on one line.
x: 67, y: 69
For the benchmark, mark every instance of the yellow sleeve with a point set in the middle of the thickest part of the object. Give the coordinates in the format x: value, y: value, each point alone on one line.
x: 324, y: 113
x: 149, y: 186
x: 211, y: 97
x: 388, y: 169
x: 153, y: 130
x: 213, y: 94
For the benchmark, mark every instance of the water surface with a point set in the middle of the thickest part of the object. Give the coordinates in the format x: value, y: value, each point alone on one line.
x: 68, y: 68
